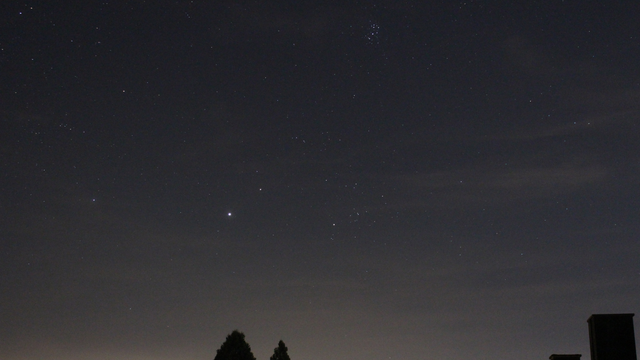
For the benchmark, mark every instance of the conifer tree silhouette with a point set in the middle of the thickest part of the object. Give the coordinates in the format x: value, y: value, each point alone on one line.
x: 235, y: 348
x: 280, y: 353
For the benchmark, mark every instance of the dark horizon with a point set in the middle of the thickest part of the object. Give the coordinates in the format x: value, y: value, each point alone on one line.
x: 364, y: 180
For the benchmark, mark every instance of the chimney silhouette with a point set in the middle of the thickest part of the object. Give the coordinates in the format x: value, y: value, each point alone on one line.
x: 611, y: 337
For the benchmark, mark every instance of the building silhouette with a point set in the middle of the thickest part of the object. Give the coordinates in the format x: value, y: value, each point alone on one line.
x: 611, y: 337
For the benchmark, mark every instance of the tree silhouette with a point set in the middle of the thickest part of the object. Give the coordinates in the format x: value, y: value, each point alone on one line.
x: 280, y: 353
x: 235, y: 348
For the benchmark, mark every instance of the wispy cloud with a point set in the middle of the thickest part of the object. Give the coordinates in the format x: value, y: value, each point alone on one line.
x: 498, y: 185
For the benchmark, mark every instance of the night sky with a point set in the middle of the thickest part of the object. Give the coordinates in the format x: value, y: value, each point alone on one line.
x: 365, y: 180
